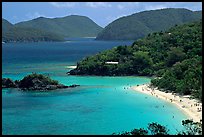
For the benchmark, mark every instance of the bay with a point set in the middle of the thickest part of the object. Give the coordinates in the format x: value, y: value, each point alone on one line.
x: 101, y: 105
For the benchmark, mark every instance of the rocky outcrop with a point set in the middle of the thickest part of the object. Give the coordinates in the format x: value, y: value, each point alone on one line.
x: 34, y: 82
x: 73, y: 86
x: 8, y: 83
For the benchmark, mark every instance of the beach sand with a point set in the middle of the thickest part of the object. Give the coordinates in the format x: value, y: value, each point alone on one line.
x: 189, y: 106
x: 71, y: 67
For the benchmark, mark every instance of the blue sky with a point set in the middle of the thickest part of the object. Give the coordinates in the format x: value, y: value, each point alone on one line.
x: 102, y: 13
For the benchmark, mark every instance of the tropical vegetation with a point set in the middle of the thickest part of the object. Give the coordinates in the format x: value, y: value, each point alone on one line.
x: 190, y: 128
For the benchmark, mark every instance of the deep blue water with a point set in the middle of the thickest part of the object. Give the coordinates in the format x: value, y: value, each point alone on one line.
x: 100, y: 105
x: 40, y: 57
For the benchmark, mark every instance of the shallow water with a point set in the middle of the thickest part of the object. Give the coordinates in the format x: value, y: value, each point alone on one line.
x: 100, y: 105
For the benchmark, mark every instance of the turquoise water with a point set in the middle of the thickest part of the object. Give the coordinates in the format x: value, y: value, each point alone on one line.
x: 101, y: 105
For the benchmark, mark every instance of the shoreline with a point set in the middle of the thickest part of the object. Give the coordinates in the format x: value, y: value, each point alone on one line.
x: 191, y: 107
x: 71, y: 67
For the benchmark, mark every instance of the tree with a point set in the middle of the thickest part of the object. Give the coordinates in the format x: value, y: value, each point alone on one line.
x: 141, y: 60
x: 140, y: 131
x: 191, y: 128
x: 174, y: 55
x: 157, y: 129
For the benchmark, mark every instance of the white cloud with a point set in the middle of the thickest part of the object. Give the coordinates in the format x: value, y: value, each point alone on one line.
x: 98, y: 4
x: 119, y: 6
x: 127, y: 5
x: 63, y: 4
x: 112, y: 18
x: 34, y: 15
x: 15, y: 17
x: 155, y: 7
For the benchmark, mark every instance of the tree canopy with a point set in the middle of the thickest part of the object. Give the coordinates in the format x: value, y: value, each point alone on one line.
x: 190, y: 128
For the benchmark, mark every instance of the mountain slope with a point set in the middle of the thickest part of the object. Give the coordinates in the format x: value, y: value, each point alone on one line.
x: 6, y: 25
x: 11, y: 33
x: 140, y: 24
x: 70, y: 26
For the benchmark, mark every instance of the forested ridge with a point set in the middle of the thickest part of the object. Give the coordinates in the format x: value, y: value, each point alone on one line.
x: 140, y: 24
x: 173, y: 56
x: 68, y: 26
x: 47, y: 29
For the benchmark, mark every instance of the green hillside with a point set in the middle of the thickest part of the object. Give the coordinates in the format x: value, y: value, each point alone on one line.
x: 45, y: 29
x: 140, y: 24
x: 11, y: 33
x: 6, y: 25
x: 18, y: 34
x: 69, y: 26
x: 175, y: 56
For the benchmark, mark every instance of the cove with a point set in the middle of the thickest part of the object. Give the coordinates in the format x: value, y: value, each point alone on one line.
x: 101, y: 105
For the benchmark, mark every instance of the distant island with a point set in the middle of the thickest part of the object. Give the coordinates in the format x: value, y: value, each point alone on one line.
x: 33, y: 82
x: 173, y: 56
x: 140, y: 24
x: 130, y: 27
x: 49, y: 29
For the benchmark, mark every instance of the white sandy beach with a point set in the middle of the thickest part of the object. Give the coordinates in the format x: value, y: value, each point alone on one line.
x: 190, y: 106
x: 71, y: 67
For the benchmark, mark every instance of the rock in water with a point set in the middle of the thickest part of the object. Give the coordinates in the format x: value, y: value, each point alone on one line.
x: 34, y: 82
x: 8, y: 83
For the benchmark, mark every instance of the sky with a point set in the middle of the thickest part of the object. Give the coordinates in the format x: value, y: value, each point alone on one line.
x: 101, y: 13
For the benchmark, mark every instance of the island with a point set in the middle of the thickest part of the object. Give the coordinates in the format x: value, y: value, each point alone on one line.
x: 138, y: 25
x: 44, y: 29
x: 34, y: 82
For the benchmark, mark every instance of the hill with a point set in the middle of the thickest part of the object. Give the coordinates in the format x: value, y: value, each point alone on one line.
x: 69, y: 26
x: 45, y: 29
x: 140, y: 24
x: 174, y: 55
x: 11, y: 33
x: 6, y: 25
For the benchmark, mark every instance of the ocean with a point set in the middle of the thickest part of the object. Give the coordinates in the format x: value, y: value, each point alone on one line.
x: 100, y: 106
